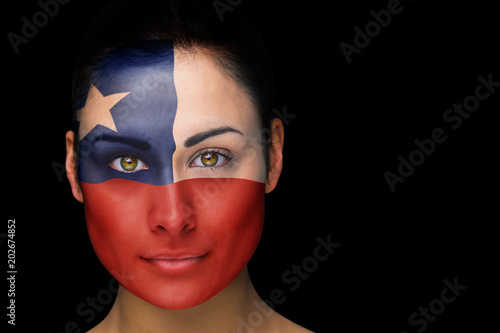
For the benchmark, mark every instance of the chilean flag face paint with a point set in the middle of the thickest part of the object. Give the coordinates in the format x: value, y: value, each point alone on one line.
x: 171, y: 174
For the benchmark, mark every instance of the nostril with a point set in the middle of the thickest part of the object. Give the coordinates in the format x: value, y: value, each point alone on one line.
x: 161, y: 227
x: 188, y: 227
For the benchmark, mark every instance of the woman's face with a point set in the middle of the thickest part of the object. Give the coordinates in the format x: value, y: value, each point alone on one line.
x: 173, y: 175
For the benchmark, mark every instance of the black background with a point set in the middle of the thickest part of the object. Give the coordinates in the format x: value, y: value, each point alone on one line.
x: 352, y: 121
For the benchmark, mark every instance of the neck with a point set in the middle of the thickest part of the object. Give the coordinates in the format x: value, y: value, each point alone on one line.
x: 222, y: 313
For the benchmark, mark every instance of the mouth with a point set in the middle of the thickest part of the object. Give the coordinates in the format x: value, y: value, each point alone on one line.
x: 175, y: 264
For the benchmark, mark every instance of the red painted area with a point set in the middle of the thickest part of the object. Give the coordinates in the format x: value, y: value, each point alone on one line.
x: 175, y: 245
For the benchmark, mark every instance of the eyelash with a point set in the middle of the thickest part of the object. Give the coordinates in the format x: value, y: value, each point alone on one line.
x: 140, y: 163
x: 219, y: 151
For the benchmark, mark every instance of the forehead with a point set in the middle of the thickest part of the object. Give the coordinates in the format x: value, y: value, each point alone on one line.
x: 207, y: 97
x: 145, y: 71
x: 164, y: 87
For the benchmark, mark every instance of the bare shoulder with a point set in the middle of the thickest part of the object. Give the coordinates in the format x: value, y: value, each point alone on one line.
x: 95, y: 330
x: 98, y: 329
x: 294, y: 328
x: 287, y: 326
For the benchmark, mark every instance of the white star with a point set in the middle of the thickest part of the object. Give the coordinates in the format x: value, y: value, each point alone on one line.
x: 97, y: 111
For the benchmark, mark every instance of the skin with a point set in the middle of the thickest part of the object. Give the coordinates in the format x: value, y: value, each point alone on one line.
x: 206, y: 99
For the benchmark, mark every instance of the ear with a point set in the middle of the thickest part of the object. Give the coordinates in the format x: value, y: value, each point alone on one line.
x: 71, y: 166
x: 275, y: 154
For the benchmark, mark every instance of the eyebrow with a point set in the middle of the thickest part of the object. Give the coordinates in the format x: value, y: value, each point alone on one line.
x: 197, y: 138
x: 133, y: 142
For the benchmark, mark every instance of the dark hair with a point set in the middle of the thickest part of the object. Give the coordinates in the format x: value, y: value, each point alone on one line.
x: 190, y: 25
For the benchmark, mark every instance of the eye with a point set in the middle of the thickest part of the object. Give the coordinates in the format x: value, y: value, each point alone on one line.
x: 128, y: 164
x: 210, y: 159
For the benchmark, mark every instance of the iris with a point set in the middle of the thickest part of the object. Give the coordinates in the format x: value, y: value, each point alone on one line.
x: 209, y: 159
x: 128, y: 163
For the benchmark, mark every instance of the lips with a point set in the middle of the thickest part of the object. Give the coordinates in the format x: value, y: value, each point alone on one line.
x: 175, y: 263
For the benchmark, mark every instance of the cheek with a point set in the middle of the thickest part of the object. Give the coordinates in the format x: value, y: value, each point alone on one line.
x: 129, y: 220
x: 115, y: 216
x: 231, y: 215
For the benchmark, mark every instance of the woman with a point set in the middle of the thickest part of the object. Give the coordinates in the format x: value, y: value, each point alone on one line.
x: 173, y: 151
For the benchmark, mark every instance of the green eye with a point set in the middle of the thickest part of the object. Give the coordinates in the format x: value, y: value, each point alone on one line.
x: 212, y: 158
x: 209, y: 159
x: 128, y: 164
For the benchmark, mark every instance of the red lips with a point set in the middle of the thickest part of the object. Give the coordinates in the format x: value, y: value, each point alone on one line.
x: 175, y: 262
x: 179, y: 254
x: 176, y: 266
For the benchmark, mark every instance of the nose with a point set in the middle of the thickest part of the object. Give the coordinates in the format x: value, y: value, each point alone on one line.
x: 171, y: 211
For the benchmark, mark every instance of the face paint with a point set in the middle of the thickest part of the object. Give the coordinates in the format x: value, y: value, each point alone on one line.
x: 178, y: 245
x: 173, y: 244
